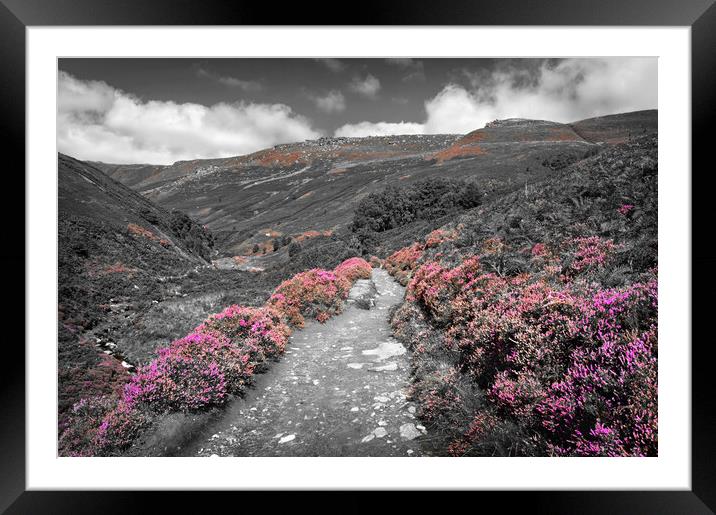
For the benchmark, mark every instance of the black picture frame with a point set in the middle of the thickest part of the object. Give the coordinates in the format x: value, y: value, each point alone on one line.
x: 16, y: 15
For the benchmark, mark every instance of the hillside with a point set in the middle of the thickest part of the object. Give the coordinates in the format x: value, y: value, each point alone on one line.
x: 616, y: 129
x: 133, y: 276
x: 533, y: 318
x: 129, y: 175
x: 299, y: 190
x: 117, y: 253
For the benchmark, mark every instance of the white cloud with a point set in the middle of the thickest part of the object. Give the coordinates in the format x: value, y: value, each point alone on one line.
x: 331, y: 102
x: 571, y: 90
x: 362, y: 129
x: 369, y: 86
x: 454, y: 110
x: 566, y: 91
x: 335, y: 65
x: 98, y: 122
x: 246, y: 85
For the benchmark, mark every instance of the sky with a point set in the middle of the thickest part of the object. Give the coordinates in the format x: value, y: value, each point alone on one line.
x: 160, y: 111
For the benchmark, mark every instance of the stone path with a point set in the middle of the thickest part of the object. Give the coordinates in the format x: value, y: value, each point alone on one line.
x: 338, y: 391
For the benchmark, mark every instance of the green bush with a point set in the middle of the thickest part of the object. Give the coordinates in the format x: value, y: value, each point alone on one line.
x: 424, y: 200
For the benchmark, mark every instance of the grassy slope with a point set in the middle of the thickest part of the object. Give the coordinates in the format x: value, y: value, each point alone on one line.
x: 113, y: 247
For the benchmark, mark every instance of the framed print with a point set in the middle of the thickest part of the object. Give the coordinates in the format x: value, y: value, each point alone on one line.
x: 429, y: 249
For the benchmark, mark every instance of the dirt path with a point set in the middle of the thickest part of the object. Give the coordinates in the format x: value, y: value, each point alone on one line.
x: 338, y: 391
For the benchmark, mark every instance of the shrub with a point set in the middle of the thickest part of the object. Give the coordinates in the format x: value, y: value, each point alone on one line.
x: 119, y: 428
x: 260, y: 332
x: 439, y: 236
x: 106, y: 378
x: 434, y: 287
x: 402, y: 262
x: 439, y: 396
x: 196, y: 237
x: 315, y: 293
x: 566, y: 367
x: 535, y: 332
x: 353, y: 269
x: 606, y: 403
x: 198, y: 370
x: 101, y: 426
x: 138, y: 230
x: 84, y: 419
x: 589, y: 253
x: 625, y: 209
x: 424, y: 200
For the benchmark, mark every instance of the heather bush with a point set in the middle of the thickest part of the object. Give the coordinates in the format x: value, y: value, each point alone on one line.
x: 402, y: 262
x: 625, y: 209
x: 100, y: 426
x: 353, y: 269
x: 120, y: 426
x: 315, y: 294
x: 84, y: 419
x: 438, y: 236
x: 199, y: 370
x: 588, y: 254
x: 434, y: 287
x: 106, y: 377
x: 565, y: 366
x: 606, y: 403
x: 259, y: 332
x: 446, y: 398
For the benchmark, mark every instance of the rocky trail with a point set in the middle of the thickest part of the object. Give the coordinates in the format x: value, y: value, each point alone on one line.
x: 338, y: 391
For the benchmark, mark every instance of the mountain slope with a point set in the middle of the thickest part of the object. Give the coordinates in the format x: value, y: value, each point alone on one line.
x: 129, y: 175
x: 298, y: 190
x: 617, y: 128
x: 114, y: 248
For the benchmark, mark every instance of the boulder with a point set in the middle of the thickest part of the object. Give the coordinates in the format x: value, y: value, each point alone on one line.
x: 363, y: 294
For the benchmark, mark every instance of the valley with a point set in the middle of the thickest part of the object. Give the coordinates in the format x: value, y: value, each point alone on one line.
x: 299, y: 190
x: 148, y: 253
